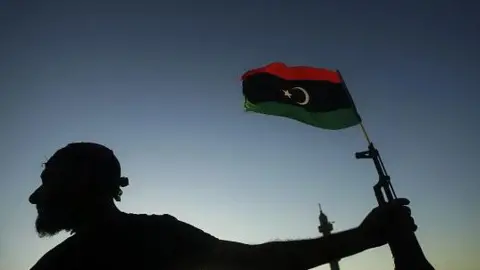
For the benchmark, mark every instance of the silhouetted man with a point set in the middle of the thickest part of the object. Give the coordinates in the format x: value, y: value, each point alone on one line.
x: 80, y: 182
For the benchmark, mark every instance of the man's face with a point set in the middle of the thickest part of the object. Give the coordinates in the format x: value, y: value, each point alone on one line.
x: 58, y: 199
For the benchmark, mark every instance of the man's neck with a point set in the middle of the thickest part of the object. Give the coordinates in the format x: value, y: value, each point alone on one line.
x: 97, y: 219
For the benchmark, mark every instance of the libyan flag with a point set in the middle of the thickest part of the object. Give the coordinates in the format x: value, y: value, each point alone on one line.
x: 314, y: 96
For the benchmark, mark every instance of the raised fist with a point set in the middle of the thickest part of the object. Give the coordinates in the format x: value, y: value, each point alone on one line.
x: 385, y: 222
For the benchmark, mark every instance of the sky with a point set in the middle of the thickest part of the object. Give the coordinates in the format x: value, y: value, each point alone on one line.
x: 159, y: 83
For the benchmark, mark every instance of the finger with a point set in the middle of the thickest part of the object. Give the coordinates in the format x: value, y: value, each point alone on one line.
x: 406, y: 210
x: 405, y: 222
x: 410, y: 226
x: 395, y: 208
x: 401, y: 201
x: 404, y: 213
x: 412, y: 223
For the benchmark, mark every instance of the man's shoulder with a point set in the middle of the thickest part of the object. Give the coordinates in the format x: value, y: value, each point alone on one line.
x: 148, y: 220
x: 160, y: 222
x: 153, y: 217
x: 166, y: 224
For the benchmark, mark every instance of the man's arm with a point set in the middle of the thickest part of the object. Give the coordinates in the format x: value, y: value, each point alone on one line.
x: 210, y: 253
x: 381, y: 224
x: 286, y: 255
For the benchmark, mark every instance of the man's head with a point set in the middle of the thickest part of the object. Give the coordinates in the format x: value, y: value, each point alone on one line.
x: 78, y: 183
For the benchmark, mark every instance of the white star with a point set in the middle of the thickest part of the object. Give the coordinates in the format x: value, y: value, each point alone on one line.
x: 287, y: 93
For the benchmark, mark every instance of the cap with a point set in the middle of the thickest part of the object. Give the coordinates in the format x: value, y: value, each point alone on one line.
x: 99, y: 158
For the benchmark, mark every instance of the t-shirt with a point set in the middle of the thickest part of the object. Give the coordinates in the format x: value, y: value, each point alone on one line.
x: 133, y: 242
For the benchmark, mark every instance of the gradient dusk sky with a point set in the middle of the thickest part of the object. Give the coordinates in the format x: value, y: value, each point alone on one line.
x: 158, y: 82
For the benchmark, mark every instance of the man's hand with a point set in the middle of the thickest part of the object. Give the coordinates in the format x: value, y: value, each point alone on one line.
x: 384, y: 222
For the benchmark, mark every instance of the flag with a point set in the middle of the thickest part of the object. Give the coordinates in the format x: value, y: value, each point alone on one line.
x: 314, y: 96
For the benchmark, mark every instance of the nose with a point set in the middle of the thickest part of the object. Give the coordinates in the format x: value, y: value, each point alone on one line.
x: 33, y: 199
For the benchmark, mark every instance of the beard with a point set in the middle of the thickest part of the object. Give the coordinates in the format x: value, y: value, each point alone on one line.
x: 48, y: 225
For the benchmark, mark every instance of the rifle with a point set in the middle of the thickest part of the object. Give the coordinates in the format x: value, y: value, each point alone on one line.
x: 406, y: 250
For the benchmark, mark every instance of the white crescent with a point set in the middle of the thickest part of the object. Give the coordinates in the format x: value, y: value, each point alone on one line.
x: 307, y: 96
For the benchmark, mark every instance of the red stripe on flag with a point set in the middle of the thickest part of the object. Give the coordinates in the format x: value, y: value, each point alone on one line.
x: 296, y: 73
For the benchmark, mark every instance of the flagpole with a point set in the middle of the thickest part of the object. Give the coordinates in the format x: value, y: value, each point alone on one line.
x: 365, y: 134
x: 406, y: 251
